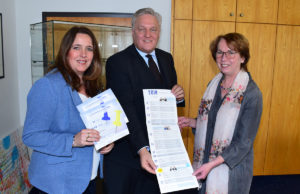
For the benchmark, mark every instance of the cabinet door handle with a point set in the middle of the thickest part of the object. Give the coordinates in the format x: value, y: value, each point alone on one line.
x: 241, y: 14
x: 231, y: 14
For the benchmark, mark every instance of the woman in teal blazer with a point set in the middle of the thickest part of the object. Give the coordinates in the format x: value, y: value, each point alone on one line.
x: 64, y: 159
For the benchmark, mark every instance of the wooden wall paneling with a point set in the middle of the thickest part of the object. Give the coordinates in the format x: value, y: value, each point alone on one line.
x: 288, y: 12
x: 220, y: 10
x: 183, y: 9
x: 182, y: 60
x: 277, y: 145
x: 182, y: 55
x: 261, y: 11
x: 283, y: 146
x: 261, y: 39
x: 203, y: 67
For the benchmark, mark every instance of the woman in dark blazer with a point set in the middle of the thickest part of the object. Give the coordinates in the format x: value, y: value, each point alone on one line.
x: 64, y: 159
x: 227, y: 122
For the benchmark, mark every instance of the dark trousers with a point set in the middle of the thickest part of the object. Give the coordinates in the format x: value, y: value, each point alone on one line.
x: 121, y: 179
x: 91, y: 189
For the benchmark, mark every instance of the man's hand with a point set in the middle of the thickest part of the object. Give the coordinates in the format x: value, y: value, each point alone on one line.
x: 146, y: 161
x: 178, y: 91
x: 107, y: 148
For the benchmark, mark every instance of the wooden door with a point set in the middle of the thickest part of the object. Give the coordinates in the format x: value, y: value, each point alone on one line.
x: 183, y: 9
x: 283, y: 146
x: 217, y: 10
x: 261, y: 39
x: 289, y: 12
x: 203, y: 67
x: 260, y: 11
x: 182, y: 59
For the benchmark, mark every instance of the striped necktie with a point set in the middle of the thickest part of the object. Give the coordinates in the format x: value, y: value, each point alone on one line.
x: 153, y: 67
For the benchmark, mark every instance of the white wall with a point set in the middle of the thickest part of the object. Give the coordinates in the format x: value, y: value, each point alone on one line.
x: 30, y: 11
x: 9, y: 92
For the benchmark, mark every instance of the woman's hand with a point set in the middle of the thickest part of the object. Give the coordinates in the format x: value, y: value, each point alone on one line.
x: 186, y: 122
x: 107, y: 148
x: 202, y: 172
x: 86, y: 137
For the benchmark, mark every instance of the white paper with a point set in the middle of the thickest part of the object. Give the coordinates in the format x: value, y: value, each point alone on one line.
x: 174, y: 170
x: 105, y: 114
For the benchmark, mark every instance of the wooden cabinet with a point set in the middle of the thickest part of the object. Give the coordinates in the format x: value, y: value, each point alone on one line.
x: 261, y: 39
x: 261, y: 11
x: 217, y: 10
x: 288, y: 12
x: 274, y: 65
x: 203, y: 67
x: 183, y: 9
x: 283, y: 146
x: 182, y: 50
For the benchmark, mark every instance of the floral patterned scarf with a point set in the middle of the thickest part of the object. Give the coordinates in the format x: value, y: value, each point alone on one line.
x: 217, y: 179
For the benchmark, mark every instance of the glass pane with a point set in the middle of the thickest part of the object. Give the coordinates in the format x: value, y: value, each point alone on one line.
x: 46, y: 38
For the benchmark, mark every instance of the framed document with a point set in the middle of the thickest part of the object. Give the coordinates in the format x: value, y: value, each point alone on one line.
x: 1, y: 49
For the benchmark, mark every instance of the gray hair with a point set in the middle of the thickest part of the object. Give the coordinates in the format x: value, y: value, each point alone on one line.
x: 145, y: 11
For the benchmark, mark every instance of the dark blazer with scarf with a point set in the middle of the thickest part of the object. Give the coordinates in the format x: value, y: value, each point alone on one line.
x: 127, y: 75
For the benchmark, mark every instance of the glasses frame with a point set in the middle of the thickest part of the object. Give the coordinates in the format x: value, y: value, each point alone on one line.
x: 228, y: 54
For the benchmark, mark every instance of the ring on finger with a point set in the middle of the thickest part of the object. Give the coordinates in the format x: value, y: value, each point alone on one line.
x: 87, y: 136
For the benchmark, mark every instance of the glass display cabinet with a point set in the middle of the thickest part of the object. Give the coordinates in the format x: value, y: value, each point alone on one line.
x: 46, y: 38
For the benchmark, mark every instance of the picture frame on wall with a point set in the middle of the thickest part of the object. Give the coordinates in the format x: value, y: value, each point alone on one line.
x: 1, y: 50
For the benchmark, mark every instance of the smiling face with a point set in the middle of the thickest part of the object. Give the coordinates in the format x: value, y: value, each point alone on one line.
x: 146, y: 33
x: 81, y: 54
x: 228, y: 60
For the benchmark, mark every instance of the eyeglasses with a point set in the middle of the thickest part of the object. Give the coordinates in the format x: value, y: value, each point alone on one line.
x: 228, y: 54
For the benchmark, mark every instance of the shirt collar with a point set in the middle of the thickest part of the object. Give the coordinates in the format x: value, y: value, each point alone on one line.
x: 143, y: 54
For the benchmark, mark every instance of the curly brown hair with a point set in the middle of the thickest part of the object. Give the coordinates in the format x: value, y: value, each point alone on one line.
x: 90, y: 78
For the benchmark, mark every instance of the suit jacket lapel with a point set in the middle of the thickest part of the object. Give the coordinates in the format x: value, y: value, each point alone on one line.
x: 75, y: 96
x: 164, y: 68
x: 139, y: 66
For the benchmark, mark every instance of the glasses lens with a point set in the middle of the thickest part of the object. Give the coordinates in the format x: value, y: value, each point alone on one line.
x: 229, y: 53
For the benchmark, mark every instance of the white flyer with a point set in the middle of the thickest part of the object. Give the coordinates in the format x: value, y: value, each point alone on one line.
x: 174, y: 170
x: 105, y: 114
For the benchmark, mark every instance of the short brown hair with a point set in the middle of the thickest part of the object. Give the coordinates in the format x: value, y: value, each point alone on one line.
x: 91, y: 75
x: 236, y: 42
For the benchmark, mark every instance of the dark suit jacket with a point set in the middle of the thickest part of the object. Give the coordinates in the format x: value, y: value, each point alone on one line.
x: 127, y: 75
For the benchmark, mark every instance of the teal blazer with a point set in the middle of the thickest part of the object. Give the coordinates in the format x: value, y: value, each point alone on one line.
x: 51, y: 122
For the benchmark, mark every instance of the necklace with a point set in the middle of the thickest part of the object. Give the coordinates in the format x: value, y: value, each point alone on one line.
x: 229, y: 89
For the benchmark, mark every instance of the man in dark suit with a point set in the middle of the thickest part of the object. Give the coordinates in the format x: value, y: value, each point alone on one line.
x: 129, y: 168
